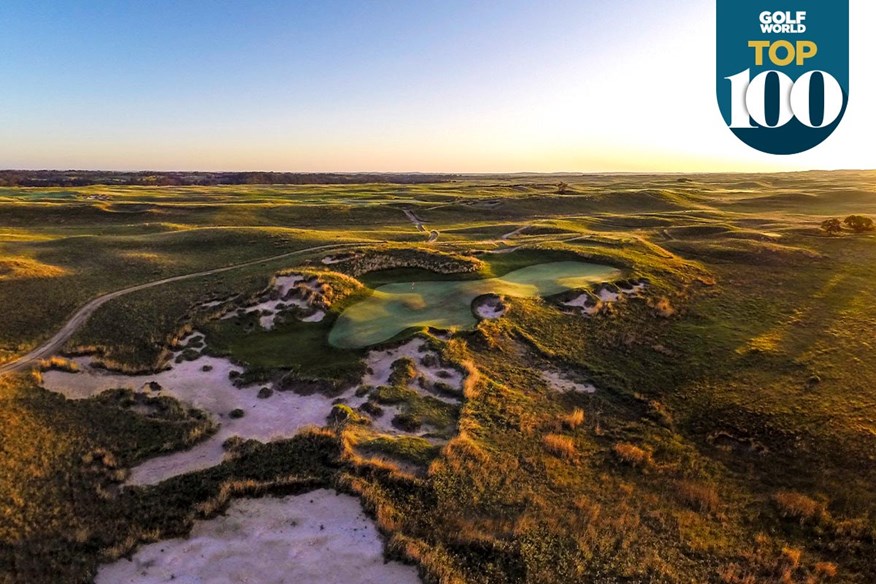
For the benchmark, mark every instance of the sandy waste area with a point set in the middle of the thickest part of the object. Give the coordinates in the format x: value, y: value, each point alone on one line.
x: 320, y: 537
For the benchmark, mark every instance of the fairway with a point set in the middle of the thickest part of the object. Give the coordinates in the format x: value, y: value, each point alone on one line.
x: 448, y: 305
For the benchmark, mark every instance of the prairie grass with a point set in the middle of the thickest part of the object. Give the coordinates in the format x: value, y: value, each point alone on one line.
x: 561, y: 446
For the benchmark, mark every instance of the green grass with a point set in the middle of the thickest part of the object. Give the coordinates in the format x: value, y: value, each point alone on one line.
x: 412, y: 449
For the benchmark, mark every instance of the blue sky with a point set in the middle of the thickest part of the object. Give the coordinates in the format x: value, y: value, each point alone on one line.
x: 377, y: 85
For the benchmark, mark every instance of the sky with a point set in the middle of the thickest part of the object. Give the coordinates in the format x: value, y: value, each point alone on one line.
x: 386, y: 85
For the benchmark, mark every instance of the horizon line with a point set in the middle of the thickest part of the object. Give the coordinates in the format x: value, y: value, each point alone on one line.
x: 437, y: 173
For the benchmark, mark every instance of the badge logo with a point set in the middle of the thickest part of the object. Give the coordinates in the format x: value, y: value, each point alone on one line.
x: 782, y: 71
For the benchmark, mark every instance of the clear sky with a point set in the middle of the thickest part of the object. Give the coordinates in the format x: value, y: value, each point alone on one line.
x: 385, y: 85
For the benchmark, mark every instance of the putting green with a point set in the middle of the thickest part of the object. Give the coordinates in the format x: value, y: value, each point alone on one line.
x: 447, y: 305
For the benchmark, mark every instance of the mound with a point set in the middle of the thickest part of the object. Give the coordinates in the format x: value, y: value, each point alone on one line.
x: 639, y: 202
x: 26, y: 268
x: 745, y: 251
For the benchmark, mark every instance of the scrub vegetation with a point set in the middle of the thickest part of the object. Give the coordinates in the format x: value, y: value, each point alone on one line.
x: 731, y: 437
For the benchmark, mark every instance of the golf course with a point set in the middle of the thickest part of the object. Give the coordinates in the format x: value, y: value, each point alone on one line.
x: 453, y: 378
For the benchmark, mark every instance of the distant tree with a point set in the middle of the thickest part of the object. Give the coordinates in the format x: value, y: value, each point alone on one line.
x: 859, y: 223
x: 831, y: 226
x: 562, y: 188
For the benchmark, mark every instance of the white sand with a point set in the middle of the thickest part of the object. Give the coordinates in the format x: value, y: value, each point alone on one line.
x: 286, y: 283
x: 315, y: 317
x: 192, y: 336
x: 280, y: 416
x: 315, y: 538
x: 559, y: 382
x: 286, y: 287
x: 605, y: 296
x: 587, y: 305
x: 489, y: 310
x: 503, y: 250
x: 380, y: 364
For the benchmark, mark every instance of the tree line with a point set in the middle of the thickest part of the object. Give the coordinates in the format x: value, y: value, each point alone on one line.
x: 81, y: 178
x: 854, y: 223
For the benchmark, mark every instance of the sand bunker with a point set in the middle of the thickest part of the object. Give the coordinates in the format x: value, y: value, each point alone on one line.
x: 340, y: 258
x: 204, y: 383
x: 431, y: 374
x: 379, y: 365
x: 489, y: 307
x: 315, y: 537
x: 603, y: 295
x: 286, y: 293
x: 559, y: 382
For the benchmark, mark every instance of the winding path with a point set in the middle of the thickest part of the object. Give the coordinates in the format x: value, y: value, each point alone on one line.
x: 51, y: 346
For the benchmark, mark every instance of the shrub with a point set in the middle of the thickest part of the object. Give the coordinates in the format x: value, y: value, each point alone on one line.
x: 265, y: 393
x: 703, y: 498
x: 560, y: 446
x: 59, y: 364
x: 573, y: 419
x: 831, y: 226
x: 232, y: 443
x: 798, y: 506
x: 371, y: 409
x: 664, y: 308
x: 859, y: 223
x: 344, y: 413
x: 406, y: 423
x: 236, y: 413
x: 403, y: 372
x: 825, y: 569
x: 791, y: 556
x: 632, y: 454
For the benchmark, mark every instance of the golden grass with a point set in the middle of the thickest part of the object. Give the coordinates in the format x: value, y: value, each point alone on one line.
x: 560, y: 446
x: 799, y: 506
x: 59, y: 364
x: 632, y: 454
x: 573, y: 419
x: 825, y: 569
x: 20, y: 268
x: 701, y: 497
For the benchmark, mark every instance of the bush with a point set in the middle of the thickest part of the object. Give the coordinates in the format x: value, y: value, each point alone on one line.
x: 59, y: 364
x: 859, y: 223
x: 825, y: 569
x: 371, y: 409
x: 703, y: 498
x: 632, y: 454
x: 573, y: 419
x: 236, y: 413
x: 798, y: 506
x: 343, y: 413
x: 831, y: 226
x: 403, y: 372
x: 406, y: 423
x: 560, y: 446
